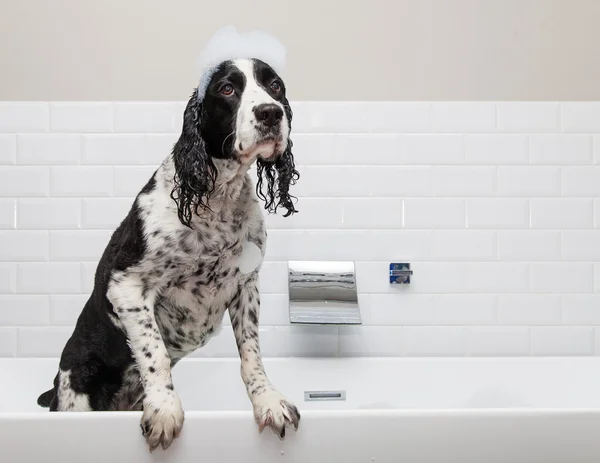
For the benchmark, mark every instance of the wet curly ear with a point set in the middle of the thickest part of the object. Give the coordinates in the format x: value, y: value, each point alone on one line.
x: 278, y: 176
x: 195, y: 173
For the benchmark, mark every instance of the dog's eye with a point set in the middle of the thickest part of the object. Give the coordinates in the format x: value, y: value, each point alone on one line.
x: 227, y: 90
x: 276, y: 86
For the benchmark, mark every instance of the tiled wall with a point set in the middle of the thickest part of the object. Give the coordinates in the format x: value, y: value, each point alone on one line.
x: 493, y: 204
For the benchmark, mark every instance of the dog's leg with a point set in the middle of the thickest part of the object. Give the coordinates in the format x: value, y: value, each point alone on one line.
x: 162, y: 418
x: 271, y: 408
x: 65, y: 398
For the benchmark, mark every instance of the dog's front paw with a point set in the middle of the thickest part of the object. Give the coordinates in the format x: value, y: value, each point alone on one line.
x: 162, y: 419
x: 273, y: 410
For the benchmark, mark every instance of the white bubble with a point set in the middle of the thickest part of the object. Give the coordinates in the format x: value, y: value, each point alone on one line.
x: 229, y: 44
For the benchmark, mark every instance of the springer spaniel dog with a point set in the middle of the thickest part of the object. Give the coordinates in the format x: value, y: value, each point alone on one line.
x: 189, y: 249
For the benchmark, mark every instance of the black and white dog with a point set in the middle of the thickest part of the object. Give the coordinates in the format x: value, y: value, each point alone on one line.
x: 189, y: 249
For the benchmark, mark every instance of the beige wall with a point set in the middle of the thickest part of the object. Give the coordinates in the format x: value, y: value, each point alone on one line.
x: 337, y: 49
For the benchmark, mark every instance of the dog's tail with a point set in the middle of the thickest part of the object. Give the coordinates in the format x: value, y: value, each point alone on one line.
x: 45, y: 399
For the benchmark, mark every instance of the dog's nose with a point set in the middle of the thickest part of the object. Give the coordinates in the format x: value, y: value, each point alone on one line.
x: 269, y: 114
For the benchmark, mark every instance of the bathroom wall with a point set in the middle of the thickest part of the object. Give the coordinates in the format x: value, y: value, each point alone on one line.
x: 492, y: 203
x: 337, y: 50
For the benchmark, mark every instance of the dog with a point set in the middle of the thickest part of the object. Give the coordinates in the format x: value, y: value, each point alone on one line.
x: 189, y: 249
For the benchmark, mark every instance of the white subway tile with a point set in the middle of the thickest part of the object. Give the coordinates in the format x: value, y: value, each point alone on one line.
x: 434, y: 213
x: 8, y: 149
x: 8, y: 277
x: 497, y: 341
x: 528, y: 181
x: 49, y: 278
x: 312, y: 213
x: 128, y: 149
x: 298, y: 341
x: 81, y: 181
x: 597, y: 278
x: 8, y: 341
x: 581, y: 181
x: 78, y: 245
x: 81, y: 117
x: 88, y: 274
x: 597, y: 341
x: 596, y: 213
x: 581, y: 245
x: 50, y: 148
x: 496, y: 277
x: 528, y: 245
x: 464, y: 117
x: 130, y: 180
x: 496, y: 149
x: 179, y: 108
x: 581, y: 309
x: 373, y: 277
x: 114, y: 149
x: 23, y: 117
x: 48, y: 213
x: 497, y: 213
x: 7, y: 213
x: 464, y: 309
x: 330, y: 117
x: 562, y: 340
x: 157, y: 146
x: 274, y: 310
x: 348, y: 245
x: 145, y: 117
x: 47, y: 341
x: 399, y: 309
x: 372, y: 213
x: 17, y: 245
x: 398, y: 117
x: 433, y: 277
x: 361, y: 181
x: 18, y: 181
x: 464, y: 181
x: 320, y: 148
x: 432, y: 149
x: 66, y: 308
x: 273, y: 277
x: 560, y: 149
x: 528, y: 117
x: 104, y: 213
x: 359, y: 149
x: 18, y: 309
x: 455, y: 245
x: 529, y: 309
x: 561, y: 213
x: 581, y: 116
x: 434, y: 341
x: 396, y: 245
x: 561, y: 277
x: 596, y: 148
x: 371, y: 341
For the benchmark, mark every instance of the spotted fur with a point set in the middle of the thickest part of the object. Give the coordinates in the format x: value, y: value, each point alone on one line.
x: 172, y: 268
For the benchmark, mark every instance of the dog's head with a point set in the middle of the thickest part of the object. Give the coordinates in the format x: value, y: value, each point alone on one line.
x: 242, y: 115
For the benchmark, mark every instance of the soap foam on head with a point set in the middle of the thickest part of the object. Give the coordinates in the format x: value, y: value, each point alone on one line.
x: 229, y: 44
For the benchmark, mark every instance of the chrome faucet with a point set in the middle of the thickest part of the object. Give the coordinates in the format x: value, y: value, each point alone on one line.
x: 323, y: 293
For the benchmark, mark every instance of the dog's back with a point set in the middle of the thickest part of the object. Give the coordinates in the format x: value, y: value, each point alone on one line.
x: 97, y: 349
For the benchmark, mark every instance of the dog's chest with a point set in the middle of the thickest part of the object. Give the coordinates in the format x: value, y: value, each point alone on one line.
x: 204, y: 270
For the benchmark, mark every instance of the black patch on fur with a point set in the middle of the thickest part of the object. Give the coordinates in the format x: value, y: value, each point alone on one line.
x: 97, y: 353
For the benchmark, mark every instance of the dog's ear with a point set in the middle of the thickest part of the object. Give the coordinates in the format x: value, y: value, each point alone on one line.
x: 279, y: 175
x: 195, y: 173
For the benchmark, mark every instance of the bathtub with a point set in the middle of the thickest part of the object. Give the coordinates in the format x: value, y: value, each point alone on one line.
x: 367, y: 410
